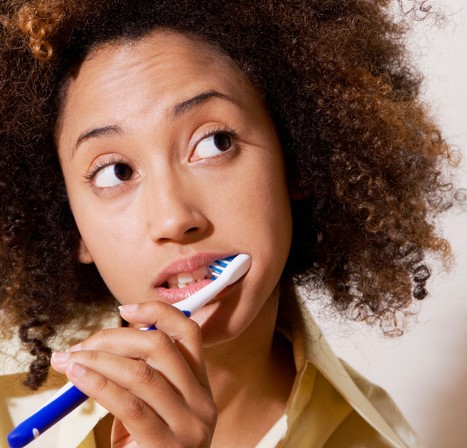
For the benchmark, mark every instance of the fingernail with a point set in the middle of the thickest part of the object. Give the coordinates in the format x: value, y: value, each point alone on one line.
x: 77, y: 369
x: 60, y: 357
x: 128, y: 309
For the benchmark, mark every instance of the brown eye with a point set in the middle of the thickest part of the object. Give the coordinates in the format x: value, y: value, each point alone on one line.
x: 113, y: 175
x: 214, y: 145
x: 222, y: 141
x: 122, y: 172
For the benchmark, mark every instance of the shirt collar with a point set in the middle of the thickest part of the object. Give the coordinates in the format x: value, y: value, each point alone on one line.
x: 312, y: 347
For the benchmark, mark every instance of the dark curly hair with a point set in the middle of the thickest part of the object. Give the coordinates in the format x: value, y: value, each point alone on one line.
x: 365, y: 162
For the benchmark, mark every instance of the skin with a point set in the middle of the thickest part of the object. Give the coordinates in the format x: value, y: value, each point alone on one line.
x: 151, y: 107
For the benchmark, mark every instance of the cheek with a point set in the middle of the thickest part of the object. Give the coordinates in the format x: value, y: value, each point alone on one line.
x: 265, y: 211
x: 273, y: 197
x: 276, y: 206
x: 116, y: 254
x: 108, y: 234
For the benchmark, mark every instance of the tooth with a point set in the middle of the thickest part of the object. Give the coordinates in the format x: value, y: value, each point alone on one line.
x: 201, y: 273
x: 184, y: 277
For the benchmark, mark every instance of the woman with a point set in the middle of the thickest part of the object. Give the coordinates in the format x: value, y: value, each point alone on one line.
x: 142, y: 141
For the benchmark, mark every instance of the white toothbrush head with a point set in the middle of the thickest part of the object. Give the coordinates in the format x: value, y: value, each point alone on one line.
x: 224, y: 272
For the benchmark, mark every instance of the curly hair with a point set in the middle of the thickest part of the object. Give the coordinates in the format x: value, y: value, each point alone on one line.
x: 366, y: 164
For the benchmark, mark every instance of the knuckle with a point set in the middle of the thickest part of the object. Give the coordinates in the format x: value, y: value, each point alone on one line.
x: 205, y: 437
x: 134, y: 408
x: 212, y: 411
x: 101, y: 337
x: 162, y: 342
x: 201, y: 435
x: 92, y: 355
x: 192, y: 329
x: 144, y: 374
x: 209, y: 411
x: 100, y: 387
x: 202, y: 424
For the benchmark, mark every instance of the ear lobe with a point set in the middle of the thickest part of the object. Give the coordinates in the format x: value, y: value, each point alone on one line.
x: 84, y: 256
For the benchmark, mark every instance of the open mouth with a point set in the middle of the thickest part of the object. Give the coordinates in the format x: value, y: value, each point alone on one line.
x: 184, y: 279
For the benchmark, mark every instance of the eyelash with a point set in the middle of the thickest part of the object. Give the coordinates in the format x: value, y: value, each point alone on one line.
x: 100, y: 165
x: 218, y: 130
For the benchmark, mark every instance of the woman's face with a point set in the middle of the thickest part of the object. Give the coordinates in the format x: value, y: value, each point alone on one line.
x: 171, y: 161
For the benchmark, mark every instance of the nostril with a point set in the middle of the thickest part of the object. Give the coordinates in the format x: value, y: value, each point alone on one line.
x: 177, y: 225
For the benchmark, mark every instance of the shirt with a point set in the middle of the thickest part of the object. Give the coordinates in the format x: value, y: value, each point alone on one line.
x: 330, y: 405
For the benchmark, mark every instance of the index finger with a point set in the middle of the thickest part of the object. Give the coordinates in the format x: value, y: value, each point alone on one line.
x: 185, y: 332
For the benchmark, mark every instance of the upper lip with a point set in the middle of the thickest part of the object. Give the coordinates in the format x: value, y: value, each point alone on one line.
x: 188, y: 264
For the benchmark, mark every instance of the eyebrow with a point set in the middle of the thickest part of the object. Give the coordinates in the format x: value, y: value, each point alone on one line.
x: 96, y: 133
x: 197, y: 100
x: 178, y: 109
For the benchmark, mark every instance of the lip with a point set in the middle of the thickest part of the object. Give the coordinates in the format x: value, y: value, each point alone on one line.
x: 188, y: 264
x: 174, y: 295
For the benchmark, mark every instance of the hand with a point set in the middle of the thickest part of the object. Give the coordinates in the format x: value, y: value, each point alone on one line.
x: 154, y: 382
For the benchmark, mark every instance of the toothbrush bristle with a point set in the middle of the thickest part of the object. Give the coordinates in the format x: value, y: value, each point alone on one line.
x: 218, y: 266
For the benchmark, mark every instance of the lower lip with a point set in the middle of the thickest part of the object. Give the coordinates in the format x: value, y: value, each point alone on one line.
x: 174, y: 295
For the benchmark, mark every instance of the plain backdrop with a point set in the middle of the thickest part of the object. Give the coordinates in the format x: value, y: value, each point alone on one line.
x: 426, y: 369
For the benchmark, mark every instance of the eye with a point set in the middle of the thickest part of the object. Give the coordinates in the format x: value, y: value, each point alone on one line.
x: 214, y: 145
x: 112, y: 175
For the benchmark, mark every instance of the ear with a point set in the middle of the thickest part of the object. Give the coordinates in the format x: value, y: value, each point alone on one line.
x: 84, y: 256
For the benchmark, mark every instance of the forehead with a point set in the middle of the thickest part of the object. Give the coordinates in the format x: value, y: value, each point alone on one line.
x: 161, y: 64
x: 121, y: 83
x: 154, y: 49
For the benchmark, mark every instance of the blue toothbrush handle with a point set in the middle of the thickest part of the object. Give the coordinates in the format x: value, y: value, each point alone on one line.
x: 46, y: 417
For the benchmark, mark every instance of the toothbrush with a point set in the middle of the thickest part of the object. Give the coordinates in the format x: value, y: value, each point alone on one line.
x: 224, y: 272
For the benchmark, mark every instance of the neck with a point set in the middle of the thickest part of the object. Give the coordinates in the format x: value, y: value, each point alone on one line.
x: 251, y: 378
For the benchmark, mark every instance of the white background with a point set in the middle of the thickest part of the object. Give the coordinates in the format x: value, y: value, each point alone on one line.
x: 426, y: 369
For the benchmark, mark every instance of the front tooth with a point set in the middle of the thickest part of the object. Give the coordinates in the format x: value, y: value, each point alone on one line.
x: 184, y: 277
x: 184, y: 285
x: 201, y: 273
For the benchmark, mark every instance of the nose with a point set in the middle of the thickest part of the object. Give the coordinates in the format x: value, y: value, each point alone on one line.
x: 174, y: 211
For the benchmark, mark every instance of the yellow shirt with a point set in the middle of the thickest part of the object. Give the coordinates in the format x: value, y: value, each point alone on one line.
x: 330, y: 406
